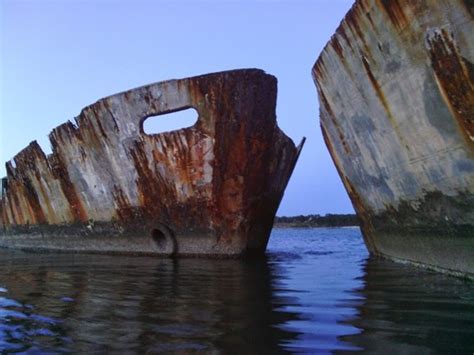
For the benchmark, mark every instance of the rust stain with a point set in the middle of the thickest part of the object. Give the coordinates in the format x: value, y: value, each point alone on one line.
x: 22, y: 191
x: 354, y: 21
x: 125, y: 211
x: 365, y: 9
x: 75, y: 204
x: 154, y: 191
x: 15, y: 207
x: 338, y: 48
x: 318, y: 71
x: 454, y: 76
x: 377, y: 88
x: 334, y: 121
x: 393, y: 97
x: 45, y: 199
x: 381, y: 96
x: 395, y: 12
x: 224, y: 176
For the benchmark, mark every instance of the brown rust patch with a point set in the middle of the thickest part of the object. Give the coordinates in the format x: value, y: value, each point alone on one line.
x: 354, y: 21
x: 125, y: 211
x: 395, y: 12
x: 318, y: 71
x: 50, y: 215
x: 26, y: 170
x: 366, y: 10
x: 155, y: 193
x: 61, y: 173
x: 222, y: 179
x: 16, y: 208
x: 338, y: 48
x: 454, y: 77
x: 34, y: 203
x: 377, y: 88
x: 343, y: 33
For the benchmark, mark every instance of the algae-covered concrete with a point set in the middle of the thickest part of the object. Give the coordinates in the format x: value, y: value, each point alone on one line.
x: 396, y: 93
x: 209, y: 189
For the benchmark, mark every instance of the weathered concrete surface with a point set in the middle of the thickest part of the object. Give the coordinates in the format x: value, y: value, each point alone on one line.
x: 396, y: 93
x: 210, y: 189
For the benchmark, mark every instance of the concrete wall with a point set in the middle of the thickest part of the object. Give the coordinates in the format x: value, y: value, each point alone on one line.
x: 396, y: 92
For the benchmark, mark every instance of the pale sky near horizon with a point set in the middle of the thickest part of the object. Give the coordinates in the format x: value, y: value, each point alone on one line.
x: 58, y: 56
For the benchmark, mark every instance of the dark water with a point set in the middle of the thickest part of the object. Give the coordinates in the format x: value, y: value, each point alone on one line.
x: 316, y: 292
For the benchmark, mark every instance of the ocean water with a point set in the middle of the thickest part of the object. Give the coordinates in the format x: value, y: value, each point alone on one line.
x: 317, y: 291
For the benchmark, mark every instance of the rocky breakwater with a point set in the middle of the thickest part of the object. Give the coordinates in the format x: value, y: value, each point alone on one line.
x: 210, y: 189
x: 396, y: 93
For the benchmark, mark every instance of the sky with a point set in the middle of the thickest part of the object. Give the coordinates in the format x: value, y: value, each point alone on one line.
x: 58, y: 56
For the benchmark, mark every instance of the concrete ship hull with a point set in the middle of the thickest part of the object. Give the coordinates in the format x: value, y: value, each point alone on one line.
x: 211, y: 189
x: 396, y: 93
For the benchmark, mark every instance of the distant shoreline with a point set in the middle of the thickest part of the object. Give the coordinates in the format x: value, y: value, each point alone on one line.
x: 317, y: 221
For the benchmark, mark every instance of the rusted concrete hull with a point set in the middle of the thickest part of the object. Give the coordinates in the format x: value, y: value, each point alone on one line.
x: 210, y: 189
x: 396, y: 93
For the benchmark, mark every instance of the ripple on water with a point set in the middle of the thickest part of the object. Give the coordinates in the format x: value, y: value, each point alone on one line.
x: 317, y: 291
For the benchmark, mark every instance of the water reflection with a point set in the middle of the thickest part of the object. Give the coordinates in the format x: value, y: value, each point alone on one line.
x: 89, y: 303
x: 410, y: 310
x: 317, y: 292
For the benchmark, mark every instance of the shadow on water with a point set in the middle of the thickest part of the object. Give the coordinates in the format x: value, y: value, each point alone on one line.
x: 87, y: 303
x: 404, y: 309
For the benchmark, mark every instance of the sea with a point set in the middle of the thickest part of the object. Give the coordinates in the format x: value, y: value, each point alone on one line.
x: 317, y: 291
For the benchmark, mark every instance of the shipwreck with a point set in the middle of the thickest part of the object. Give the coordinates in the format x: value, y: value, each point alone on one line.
x: 211, y: 189
x: 396, y: 93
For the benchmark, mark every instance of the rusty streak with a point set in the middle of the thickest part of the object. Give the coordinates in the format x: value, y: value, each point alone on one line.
x: 408, y: 109
x: 215, y: 187
x: 395, y: 12
x: 454, y: 78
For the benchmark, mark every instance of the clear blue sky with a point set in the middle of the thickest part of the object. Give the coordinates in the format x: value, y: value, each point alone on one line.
x: 59, y: 56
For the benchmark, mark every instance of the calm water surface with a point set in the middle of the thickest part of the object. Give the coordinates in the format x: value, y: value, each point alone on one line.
x: 317, y: 291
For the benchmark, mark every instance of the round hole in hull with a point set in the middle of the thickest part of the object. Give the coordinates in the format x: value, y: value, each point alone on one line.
x: 158, y: 237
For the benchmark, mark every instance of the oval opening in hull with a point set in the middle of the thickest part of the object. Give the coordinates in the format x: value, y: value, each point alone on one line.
x: 170, y: 121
